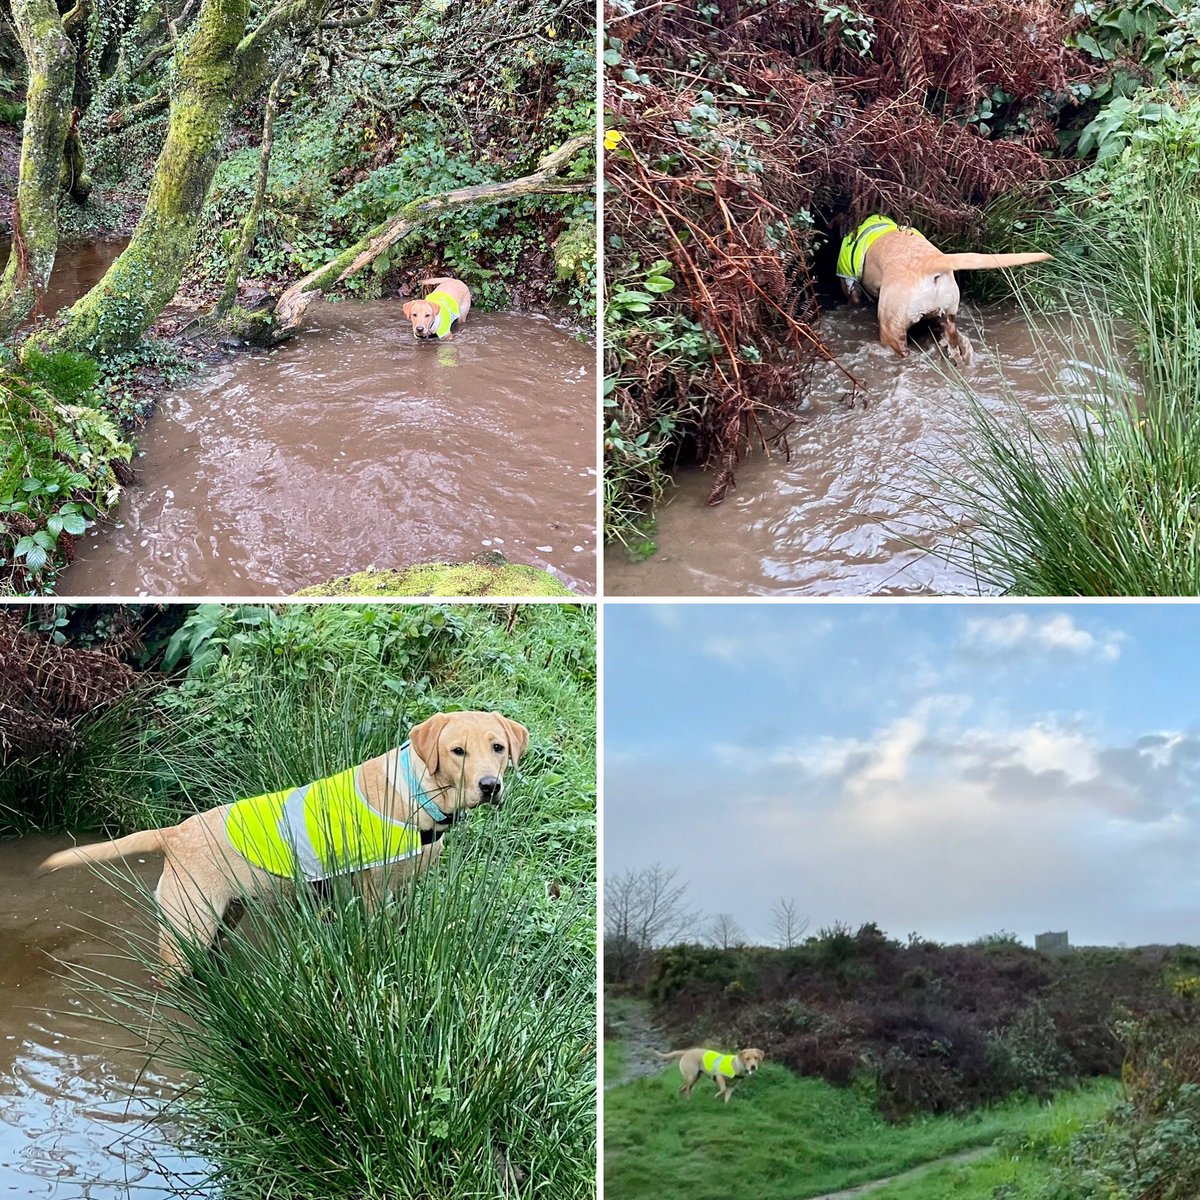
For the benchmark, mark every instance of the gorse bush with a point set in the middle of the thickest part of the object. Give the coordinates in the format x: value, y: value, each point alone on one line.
x: 1148, y: 1147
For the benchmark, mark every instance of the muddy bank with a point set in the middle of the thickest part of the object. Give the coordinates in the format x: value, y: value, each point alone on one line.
x: 354, y: 446
x: 863, y: 484
x: 78, y: 1097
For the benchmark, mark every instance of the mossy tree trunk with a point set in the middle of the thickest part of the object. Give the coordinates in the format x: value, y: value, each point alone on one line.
x: 219, y: 63
x: 50, y: 56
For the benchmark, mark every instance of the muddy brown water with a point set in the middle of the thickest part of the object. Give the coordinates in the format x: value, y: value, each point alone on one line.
x: 355, y: 446
x: 351, y: 447
x: 78, y: 1096
x: 841, y: 517
x: 76, y: 268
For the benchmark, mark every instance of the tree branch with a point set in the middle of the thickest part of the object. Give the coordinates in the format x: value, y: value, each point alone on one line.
x: 125, y: 117
x: 544, y: 181
x: 355, y: 22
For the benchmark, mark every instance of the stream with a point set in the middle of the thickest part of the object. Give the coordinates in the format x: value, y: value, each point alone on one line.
x: 77, y: 1094
x: 863, y: 483
x: 352, y: 446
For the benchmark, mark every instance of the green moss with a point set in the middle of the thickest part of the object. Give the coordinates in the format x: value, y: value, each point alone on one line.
x: 575, y: 249
x: 486, y: 578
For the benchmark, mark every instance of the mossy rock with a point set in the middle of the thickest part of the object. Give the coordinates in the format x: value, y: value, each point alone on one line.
x: 483, y: 576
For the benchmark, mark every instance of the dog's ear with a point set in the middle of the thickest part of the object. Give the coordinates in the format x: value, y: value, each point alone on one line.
x: 437, y: 310
x: 424, y: 740
x: 408, y: 307
x: 518, y: 737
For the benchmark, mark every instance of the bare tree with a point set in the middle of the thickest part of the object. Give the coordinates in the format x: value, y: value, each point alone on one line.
x: 725, y: 932
x: 642, y: 909
x: 787, y: 923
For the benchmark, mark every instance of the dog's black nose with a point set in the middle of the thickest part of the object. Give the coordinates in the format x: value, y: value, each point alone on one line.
x: 489, y: 788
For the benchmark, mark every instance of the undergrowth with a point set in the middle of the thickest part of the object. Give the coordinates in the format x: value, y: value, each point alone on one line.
x: 391, y: 126
x: 62, y: 460
x: 743, y: 140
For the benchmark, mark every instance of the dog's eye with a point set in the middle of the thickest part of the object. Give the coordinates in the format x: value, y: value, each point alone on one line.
x: 459, y: 751
x: 499, y: 749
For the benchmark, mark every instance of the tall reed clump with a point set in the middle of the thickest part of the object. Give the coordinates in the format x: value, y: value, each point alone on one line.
x: 1114, y: 508
x: 442, y: 1045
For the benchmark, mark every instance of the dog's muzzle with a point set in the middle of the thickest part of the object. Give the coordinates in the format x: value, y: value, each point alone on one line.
x: 489, y: 789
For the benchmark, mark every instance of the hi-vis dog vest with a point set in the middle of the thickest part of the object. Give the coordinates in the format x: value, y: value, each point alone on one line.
x: 716, y: 1063
x: 447, y: 313
x: 315, y: 832
x: 853, y: 255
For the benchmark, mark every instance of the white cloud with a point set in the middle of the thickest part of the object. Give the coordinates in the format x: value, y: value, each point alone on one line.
x: 1028, y: 634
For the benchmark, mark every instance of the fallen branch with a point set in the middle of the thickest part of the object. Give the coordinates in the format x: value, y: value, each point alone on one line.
x: 124, y: 117
x: 544, y: 181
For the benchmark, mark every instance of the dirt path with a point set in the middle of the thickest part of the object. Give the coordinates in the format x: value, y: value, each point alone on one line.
x: 630, y: 1021
x: 864, y: 1189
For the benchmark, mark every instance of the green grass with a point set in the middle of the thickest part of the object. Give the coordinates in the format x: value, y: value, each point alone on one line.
x: 1021, y: 1166
x: 616, y: 1058
x: 444, y: 1046
x: 785, y: 1137
x: 1115, y: 511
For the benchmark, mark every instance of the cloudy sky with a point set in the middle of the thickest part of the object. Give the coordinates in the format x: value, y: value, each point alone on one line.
x: 951, y: 770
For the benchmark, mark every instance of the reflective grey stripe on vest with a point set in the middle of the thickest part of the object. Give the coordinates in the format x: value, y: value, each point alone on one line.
x: 294, y: 830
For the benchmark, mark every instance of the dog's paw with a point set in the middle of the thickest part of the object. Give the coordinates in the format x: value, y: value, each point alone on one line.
x: 962, y: 354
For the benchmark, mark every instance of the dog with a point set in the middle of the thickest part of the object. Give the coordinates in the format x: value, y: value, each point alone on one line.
x: 446, y: 306
x: 724, y: 1069
x: 911, y: 279
x: 382, y: 821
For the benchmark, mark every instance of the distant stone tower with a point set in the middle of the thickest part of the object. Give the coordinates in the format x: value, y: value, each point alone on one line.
x: 1053, y: 944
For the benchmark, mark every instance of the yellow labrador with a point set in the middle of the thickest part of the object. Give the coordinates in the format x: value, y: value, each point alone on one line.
x: 383, y: 820
x: 724, y: 1069
x: 439, y: 313
x: 912, y: 280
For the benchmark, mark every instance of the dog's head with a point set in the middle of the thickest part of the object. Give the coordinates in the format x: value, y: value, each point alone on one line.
x: 424, y: 316
x: 465, y: 754
x: 751, y: 1060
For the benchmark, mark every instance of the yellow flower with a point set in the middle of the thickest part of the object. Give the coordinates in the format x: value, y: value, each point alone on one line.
x: 551, y: 31
x: 612, y: 139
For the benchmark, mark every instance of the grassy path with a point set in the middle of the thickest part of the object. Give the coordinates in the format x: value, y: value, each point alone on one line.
x: 862, y: 1189
x: 630, y: 1054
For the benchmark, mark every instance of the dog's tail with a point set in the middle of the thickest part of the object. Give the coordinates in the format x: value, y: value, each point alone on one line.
x: 149, y: 841
x: 673, y: 1054
x: 438, y: 280
x: 989, y: 262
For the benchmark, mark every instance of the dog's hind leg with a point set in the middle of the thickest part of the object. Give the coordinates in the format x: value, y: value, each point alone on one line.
x: 894, y: 322
x: 958, y: 348
x: 184, y: 912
